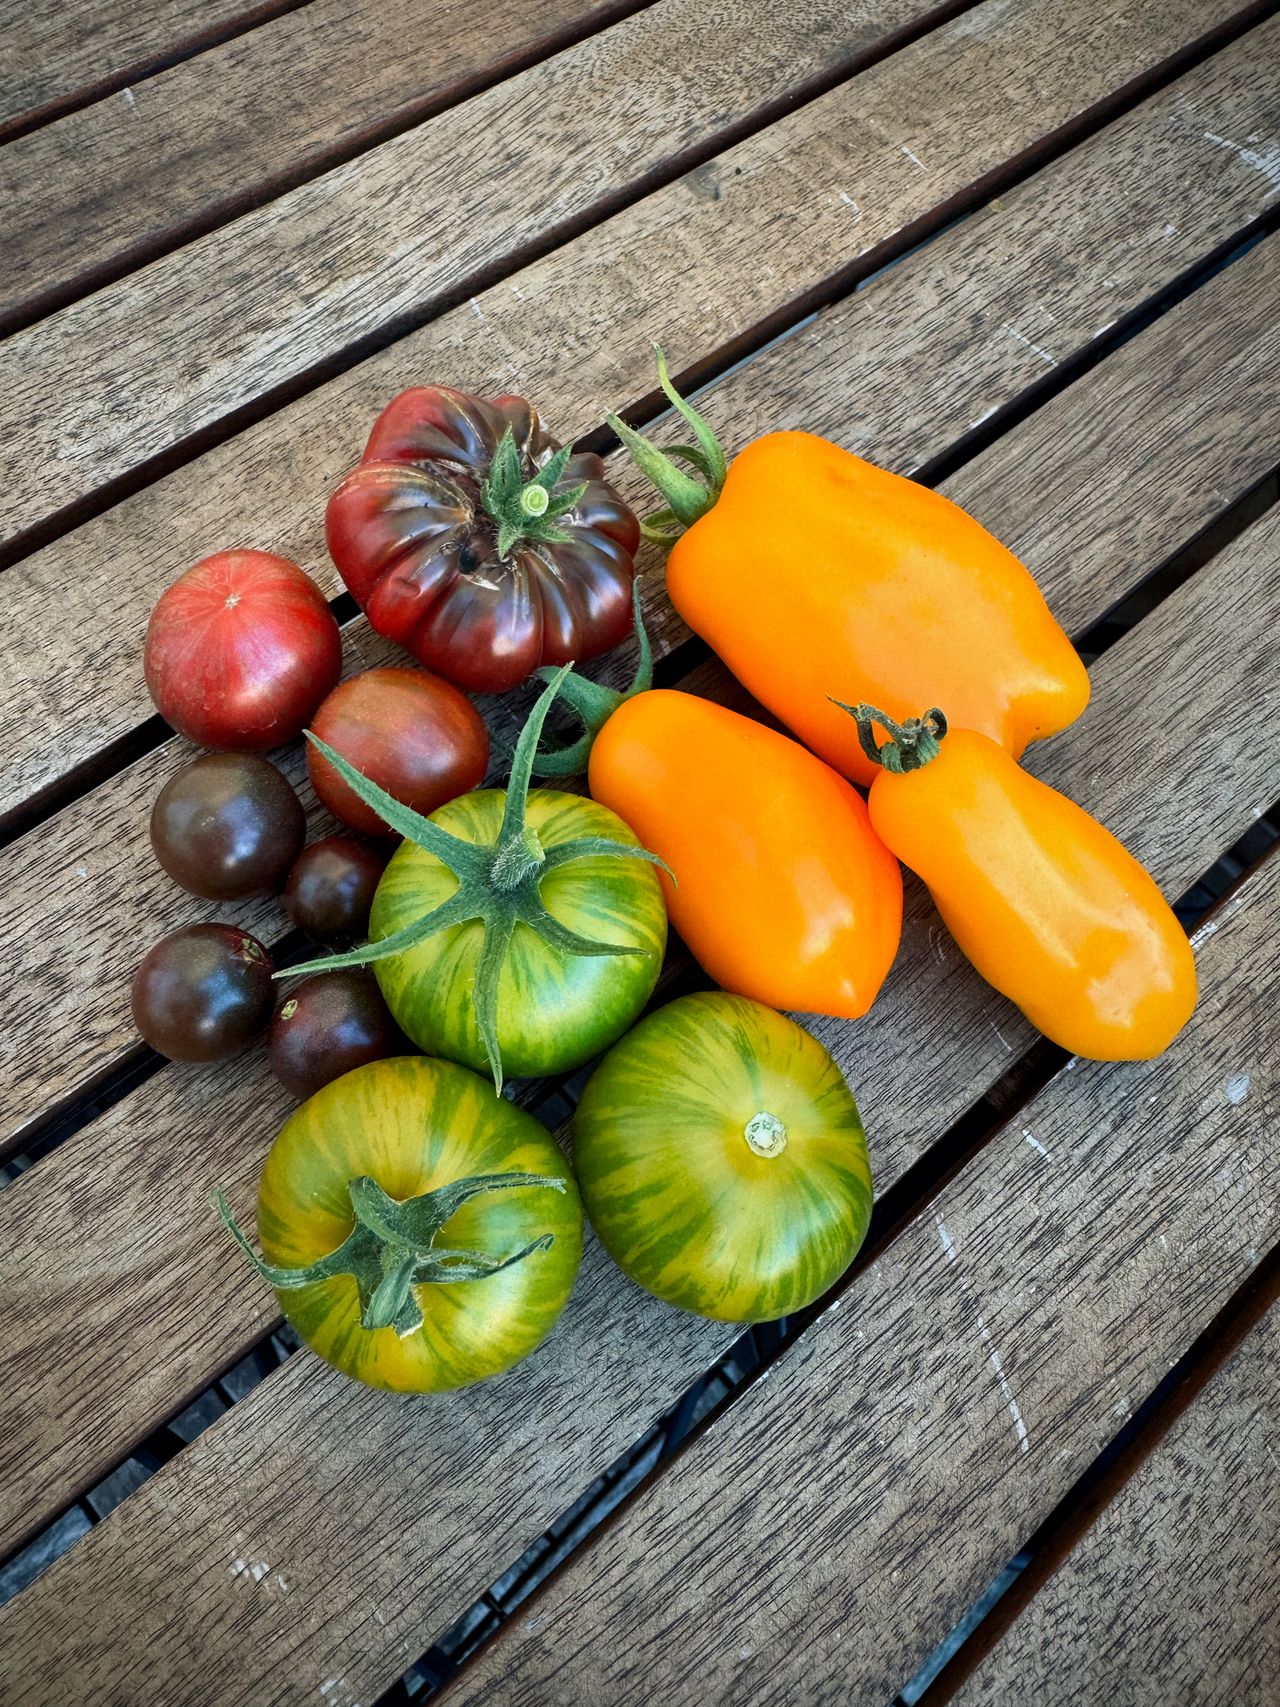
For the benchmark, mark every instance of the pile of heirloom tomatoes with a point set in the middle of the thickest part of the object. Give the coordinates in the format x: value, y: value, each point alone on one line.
x: 420, y: 1229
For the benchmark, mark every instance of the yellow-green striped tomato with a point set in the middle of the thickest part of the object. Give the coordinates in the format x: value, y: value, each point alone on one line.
x: 722, y: 1160
x: 413, y: 1125
x: 555, y: 1009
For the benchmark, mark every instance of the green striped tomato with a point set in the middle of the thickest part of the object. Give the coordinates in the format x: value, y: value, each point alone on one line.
x: 722, y: 1160
x: 413, y: 1125
x: 555, y: 1010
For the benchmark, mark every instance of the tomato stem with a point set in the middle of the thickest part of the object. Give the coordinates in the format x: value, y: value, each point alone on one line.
x: 688, y: 497
x: 595, y: 703
x: 498, y: 884
x: 527, y: 509
x: 765, y: 1134
x: 911, y: 744
x: 391, y: 1247
x: 516, y: 860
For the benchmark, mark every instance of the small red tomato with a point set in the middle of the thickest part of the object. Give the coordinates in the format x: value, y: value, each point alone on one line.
x: 241, y: 650
x: 413, y: 733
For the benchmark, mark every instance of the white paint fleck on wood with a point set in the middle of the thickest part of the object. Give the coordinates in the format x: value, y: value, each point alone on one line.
x: 945, y: 1240
x: 1008, y: 1047
x: 1236, y: 1088
x: 993, y: 1358
x: 1036, y: 349
x: 1266, y: 161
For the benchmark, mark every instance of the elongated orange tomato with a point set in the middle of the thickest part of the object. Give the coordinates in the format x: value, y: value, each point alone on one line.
x: 812, y: 572
x: 1049, y: 906
x: 782, y: 892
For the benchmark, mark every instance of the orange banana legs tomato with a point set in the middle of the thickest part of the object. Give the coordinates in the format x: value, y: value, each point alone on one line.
x: 1048, y: 905
x: 782, y: 891
x: 812, y: 573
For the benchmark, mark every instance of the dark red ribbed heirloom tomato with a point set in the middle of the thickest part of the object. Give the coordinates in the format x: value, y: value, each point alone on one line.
x: 471, y: 538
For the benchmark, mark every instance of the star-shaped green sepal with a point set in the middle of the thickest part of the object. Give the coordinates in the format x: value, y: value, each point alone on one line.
x: 498, y: 883
x: 391, y: 1249
x: 527, y: 509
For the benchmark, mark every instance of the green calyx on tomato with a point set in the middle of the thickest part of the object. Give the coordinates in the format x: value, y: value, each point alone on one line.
x: 594, y: 703
x: 526, y: 509
x: 450, y: 1158
x: 912, y: 743
x: 498, y: 882
x: 688, y: 496
x: 391, y: 1249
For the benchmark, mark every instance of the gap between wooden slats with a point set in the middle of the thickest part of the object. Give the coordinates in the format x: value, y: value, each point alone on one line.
x: 62, y: 54
x: 1213, y: 1412
x: 101, y: 193
x: 589, y: 128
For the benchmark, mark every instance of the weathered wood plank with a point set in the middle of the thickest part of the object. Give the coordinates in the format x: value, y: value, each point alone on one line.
x: 95, y: 391
x: 574, y: 331
x: 115, y: 183
x: 245, y: 310
x: 926, y: 351
x: 836, y: 1523
x: 52, y: 51
x: 311, y: 1477
x: 1173, y: 1595
x: 1178, y: 650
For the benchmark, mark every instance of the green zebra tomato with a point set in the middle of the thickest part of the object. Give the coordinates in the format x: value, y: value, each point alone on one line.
x: 722, y: 1160
x: 356, y: 1188
x: 515, y: 930
x: 554, y: 1009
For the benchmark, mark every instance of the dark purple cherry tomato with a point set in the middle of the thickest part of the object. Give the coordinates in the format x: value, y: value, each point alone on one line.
x: 203, y: 992
x: 330, y: 889
x: 227, y: 825
x: 328, y: 1025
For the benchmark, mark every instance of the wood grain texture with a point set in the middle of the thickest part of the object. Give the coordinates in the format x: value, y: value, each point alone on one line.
x: 1173, y: 1594
x: 95, y: 391
x: 120, y: 181
x: 312, y: 1477
x: 52, y: 51
x: 1084, y: 242
x: 926, y: 351
x: 828, y: 1531
x: 236, y: 1119
x: 251, y: 307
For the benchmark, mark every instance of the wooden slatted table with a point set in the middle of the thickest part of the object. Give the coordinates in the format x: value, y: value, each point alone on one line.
x: 1023, y: 251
